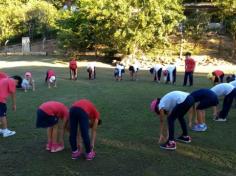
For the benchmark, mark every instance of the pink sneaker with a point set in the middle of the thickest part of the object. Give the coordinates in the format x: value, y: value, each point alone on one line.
x: 90, y: 155
x: 57, y: 148
x: 76, y: 154
x: 49, y: 146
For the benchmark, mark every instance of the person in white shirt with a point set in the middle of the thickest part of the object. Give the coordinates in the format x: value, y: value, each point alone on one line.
x: 28, y: 82
x: 174, y: 105
x: 169, y: 74
x: 119, y: 70
x: 91, y: 70
x: 229, y: 92
x: 133, y: 69
x: 156, y: 72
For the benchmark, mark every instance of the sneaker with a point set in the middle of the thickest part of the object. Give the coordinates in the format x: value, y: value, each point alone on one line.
x: 76, y: 154
x: 184, y: 139
x: 57, y: 148
x: 7, y: 133
x: 200, y: 127
x: 90, y: 155
x: 48, y: 146
x: 220, y: 119
x: 169, y: 145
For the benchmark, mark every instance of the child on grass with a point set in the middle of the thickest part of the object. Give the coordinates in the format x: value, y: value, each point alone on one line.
x: 156, y: 72
x: 28, y: 82
x: 53, y: 115
x: 119, y: 70
x: 172, y: 106
x: 51, y: 78
x: 7, y: 88
x: 169, y: 74
x: 84, y: 114
x: 91, y: 70
x: 205, y: 99
x: 133, y: 69
x: 229, y: 92
x: 216, y: 76
x: 73, y: 69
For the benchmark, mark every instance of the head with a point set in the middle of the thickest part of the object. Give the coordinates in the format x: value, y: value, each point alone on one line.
x: 18, y: 80
x: 188, y: 54
x: 91, y: 122
x: 154, y: 105
x: 28, y: 75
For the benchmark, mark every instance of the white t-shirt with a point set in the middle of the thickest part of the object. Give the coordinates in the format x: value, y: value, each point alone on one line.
x: 120, y: 67
x: 170, y: 68
x: 222, y: 89
x: 233, y: 83
x: 170, y: 100
x: 157, y: 67
x: 25, y: 84
x: 91, y: 65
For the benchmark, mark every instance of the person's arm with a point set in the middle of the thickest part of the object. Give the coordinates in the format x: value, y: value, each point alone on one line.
x: 162, y: 126
x: 94, y: 133
x: 13, y: 95
x: 215, y: 111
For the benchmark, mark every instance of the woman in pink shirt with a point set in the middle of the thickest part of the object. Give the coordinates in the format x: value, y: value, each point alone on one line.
x: 73, y: 69
x: 84, y: 114
x: 49, y: 115
x: 7, y: 88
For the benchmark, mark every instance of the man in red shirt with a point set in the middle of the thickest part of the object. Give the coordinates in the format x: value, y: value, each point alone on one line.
x: 73, y: 69
x: 83, y: 113
x: 189, y: 69
x: 7, y: 88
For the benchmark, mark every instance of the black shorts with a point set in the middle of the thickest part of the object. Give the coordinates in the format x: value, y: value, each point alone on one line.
x: 3, y: 110
x: 131, y: 68
x: 44, y: 120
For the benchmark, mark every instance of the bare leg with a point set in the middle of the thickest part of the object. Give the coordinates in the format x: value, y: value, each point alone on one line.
x: 49, y: 134
x: 4, y: 122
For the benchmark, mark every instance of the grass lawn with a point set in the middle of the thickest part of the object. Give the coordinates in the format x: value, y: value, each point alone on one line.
x: 127, y: 142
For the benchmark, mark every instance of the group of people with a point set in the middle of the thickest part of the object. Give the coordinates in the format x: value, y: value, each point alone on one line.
x: 174, y: 105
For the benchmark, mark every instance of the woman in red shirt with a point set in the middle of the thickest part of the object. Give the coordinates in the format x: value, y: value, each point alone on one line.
x: 73, y: 69
x: 84, y: 114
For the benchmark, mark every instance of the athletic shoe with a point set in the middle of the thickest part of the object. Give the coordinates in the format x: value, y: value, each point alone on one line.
x: 200, y: 127
x: 57, y: 148
x: 76, y: 154
x: 7, y: 133
x: 220, y: 119
x: 90, y: 155
x: 169, y: 145
x: 184, y: 139
x: 48, y: 146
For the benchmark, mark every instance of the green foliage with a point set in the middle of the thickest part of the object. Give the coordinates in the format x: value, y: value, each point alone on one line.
x: 197, y: 25
x: 127, y: 26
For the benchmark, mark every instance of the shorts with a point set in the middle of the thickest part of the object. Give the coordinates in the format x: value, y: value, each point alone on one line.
x: 44, y: 120
x: 131, y: 68
x: 3, y: 110
x: 212, y: 100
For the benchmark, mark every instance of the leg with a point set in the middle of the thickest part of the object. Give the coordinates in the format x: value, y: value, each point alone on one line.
x: 228, y: 100
x: 94, y: 73
x: 159, y: 74
x: 191, y: 78
x: 185, y: 78
x: 174, y: 75
x: 54, y: 134
x: 73, y: 128
x: 49, y: 134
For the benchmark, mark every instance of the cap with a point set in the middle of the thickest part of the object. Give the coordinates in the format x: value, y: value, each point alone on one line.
x: 28, y: 74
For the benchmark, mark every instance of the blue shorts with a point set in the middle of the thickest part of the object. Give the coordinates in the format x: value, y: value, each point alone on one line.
x: 3, y: 110
x: 44, y: 120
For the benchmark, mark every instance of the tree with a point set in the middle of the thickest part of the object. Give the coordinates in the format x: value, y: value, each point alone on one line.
x: 227, y: 12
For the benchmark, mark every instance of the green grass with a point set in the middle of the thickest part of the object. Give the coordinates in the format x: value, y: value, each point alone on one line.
x: 127, y: 142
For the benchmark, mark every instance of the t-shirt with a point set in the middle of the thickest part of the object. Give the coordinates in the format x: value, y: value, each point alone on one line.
x: 218, y: 73
x: 189, y: 65
x: 170, y: 68
x: 233, y: 83
x: 88, y: 107
x: 222, y: 89
x: 7, y: 87
x: 157, y: 67
x: 91, y: 65
x: 3, y: 75
x: 51, y: 73
x: 54, y: 108
x: 73, y: 64
x: 170, y: 100
x: 202, y: 94
x: 120, y: 67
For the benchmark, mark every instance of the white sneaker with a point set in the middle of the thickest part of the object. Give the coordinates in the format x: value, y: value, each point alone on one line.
x: 7, y: 133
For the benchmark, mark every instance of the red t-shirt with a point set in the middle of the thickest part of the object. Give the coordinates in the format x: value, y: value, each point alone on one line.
x: 218, y: 73
x: 3, y: 75
x: 51, y: 73
x: 189, y: 65
x: 73, y: 64
x: 88, y: 107
x: 54, y: 108
x: 7, y: 87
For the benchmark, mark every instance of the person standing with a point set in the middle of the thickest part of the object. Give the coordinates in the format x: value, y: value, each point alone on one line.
x: 189, y: 69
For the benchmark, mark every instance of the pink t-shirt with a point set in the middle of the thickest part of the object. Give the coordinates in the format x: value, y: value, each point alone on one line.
x: 88, y: 107
x: 7, y: 87
x: 51, y: 73
x: 73, y: 64
x: 54, y: 108
x: 3, y: 75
